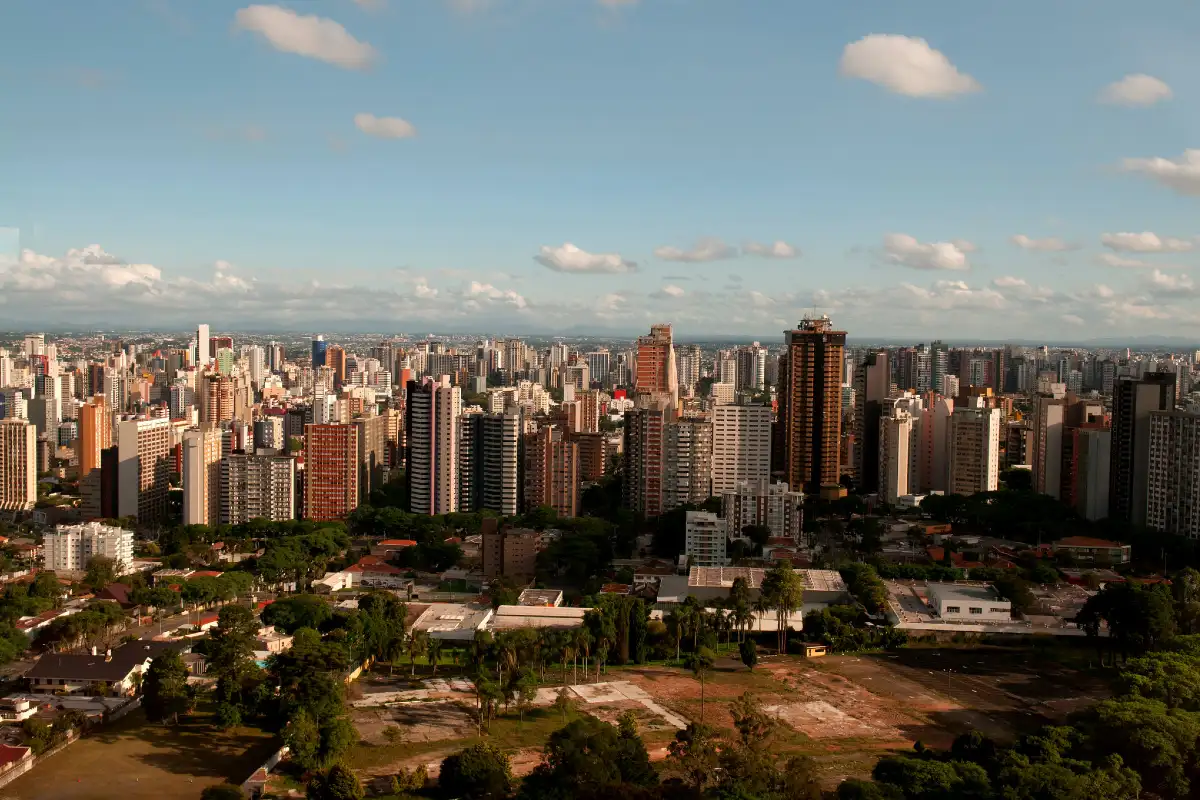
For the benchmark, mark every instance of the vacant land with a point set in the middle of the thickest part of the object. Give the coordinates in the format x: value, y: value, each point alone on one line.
x: 844, y: 711
x: 138, y: 760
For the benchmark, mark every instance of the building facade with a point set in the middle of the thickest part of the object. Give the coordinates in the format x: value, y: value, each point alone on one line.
x: 72, y: 547
x: 330, y: 471
x: 810, y: 404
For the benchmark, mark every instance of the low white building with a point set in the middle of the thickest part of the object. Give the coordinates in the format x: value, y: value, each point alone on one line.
x: 72, y: 547
x: 955, y: 602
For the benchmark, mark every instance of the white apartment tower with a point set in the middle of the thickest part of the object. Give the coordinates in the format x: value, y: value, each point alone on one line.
x: 761, y: 502
x: 897, y: 455
x: 741, y: 446
x: 202, y: 342
x: 202, y: 476
x: 1173, y: 483
x: 706, y: 539
x: 257, y: 487
x: 974, y: 451
x: 72, y: 547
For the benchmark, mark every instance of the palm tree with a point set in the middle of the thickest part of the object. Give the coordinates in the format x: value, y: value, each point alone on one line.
x: 567, y: 648
x: 762, y: 607
x: 583, y: 641
x: 418, y: 642
x: 433, y: 649
x: 394, y: 649
x: 701, y: 662
x: 675, y: 624
x: 692, y: 613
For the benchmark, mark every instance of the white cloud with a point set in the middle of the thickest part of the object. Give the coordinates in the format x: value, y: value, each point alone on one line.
x: 706, y: 249
x: 1136, y: 90
x: 1008, y: 282
x: 423, y: 291
x: 900, y: 248
x: 1072, y: 319
x: 1048, y: 245
x: 508, y: 296
x: 1114, y: 260
x: 1162, y: 283
x: 904, y: 65
x: 1182, y: 175
x: 1145, y: 242
x: 777, y: 249
x: 760, y: 300
x: 384, y: 127
x: 306, y: 35
x: 673, y: 291
x: 569, y: 258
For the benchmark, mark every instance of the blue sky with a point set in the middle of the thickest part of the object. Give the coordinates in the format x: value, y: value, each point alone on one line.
x: 168, y: 160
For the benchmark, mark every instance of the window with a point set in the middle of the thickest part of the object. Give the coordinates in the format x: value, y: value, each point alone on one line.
x: 976, y: 610
x: 953, y: 610
x: 998, y: 610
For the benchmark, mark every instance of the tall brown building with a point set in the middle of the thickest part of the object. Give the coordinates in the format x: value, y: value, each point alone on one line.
x: 335, y: 359
x: 593, y: 455
x: 645, y: 454
x: 95, y: 434
x: 810, y: 404
x: 656, y: 373
x: 552, y: 471
x: 216, y: 401
x: 330, y: 471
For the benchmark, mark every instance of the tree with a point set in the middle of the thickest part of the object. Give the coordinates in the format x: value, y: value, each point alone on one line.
x: 590, y: 758
x: 339, y: 783
x: 748, y: 650
x: 101, y: 571
x: 695, y: 755
x: 165, y: 693
x: 289, y: 614
x: 433, y: 651
x: 417, y: 644
x: 222, y: 791
x: 481, y: 771
x: 782, y: 589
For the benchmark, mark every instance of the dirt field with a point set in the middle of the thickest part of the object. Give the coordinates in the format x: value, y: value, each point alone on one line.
x: 136, y: 760
x: 844, y: 711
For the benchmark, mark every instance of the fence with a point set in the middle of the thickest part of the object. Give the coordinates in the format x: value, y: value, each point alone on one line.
x: 258, y: 779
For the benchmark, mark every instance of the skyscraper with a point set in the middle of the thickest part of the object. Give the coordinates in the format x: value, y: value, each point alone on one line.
x: 318, y: 351
x: 1133, y: 402
x: 431, y: 431
x: 95, y: 434
x: 202, y: 476
x: 656, y: 371
x: 202, y: 352
x: 257, y: 487
x: 330, y: 471
x: 897, y: 455
x: 687, y: 474
x: 598, y: 364
x: 974, y: 451
x: 143, y: 469
x: 872, y: 383
x: 1173, y: 467
x: 810, y: 404
x: 741, y: 446
x: 18, y: 465
x: 552, y: 471
x: 645, y: 452
x: 489, y: 462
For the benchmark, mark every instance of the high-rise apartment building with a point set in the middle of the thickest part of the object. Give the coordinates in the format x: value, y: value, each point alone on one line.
x: 95, y: 434
x: 1134, y: 400
x: 202, y: 476
x: 688, y: 363
x: 372, y: 453
x: 974, y: 451
x: 872, y: 384
x: 551, y: 475
x: 217, y: 398
x: 1091, y: 450
x: 810, y: 404
x: 330, y: 471
x: 598, y: 365
x: 656, y: 371
x: 489, y: 474
x: 741, y: 446
x: 645, y: 455
x: 687, y: 474
x: 752, y: 367
x: 761, y: 502
x: 319, y: 347
x: 18, y: 465
x: 257, y: 487
x: 143, y: 469
x: 1173, y: 473
x: 431, y: 430
x: 72, y: 547
x: 898, y: 455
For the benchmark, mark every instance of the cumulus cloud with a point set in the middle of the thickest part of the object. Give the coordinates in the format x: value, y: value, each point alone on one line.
x: 1072, y: 319
x: 1048, y: 245
x: 384, y: 127
x: 905, y: 65
x: 476, y: 289
x: 707, y: 249
x: 671, y: 290
x: 306, y: 35
x: 1182, y: 174
x: 1136, y: 91
x: 905, y: 250
x: 1145, y: 242
x: 569, y: 258
x: 1163, y: 283
x: 777, y: 249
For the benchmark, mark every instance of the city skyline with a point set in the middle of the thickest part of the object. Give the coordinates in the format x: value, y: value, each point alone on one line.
x: 601, y: 166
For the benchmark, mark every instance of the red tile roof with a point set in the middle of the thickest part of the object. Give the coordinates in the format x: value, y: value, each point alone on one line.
x: 12, y: 755
x: 1086, y: 541
x: 398, y: 543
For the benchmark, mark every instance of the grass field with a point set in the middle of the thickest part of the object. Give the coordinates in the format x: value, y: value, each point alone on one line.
x: 136, y: 760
